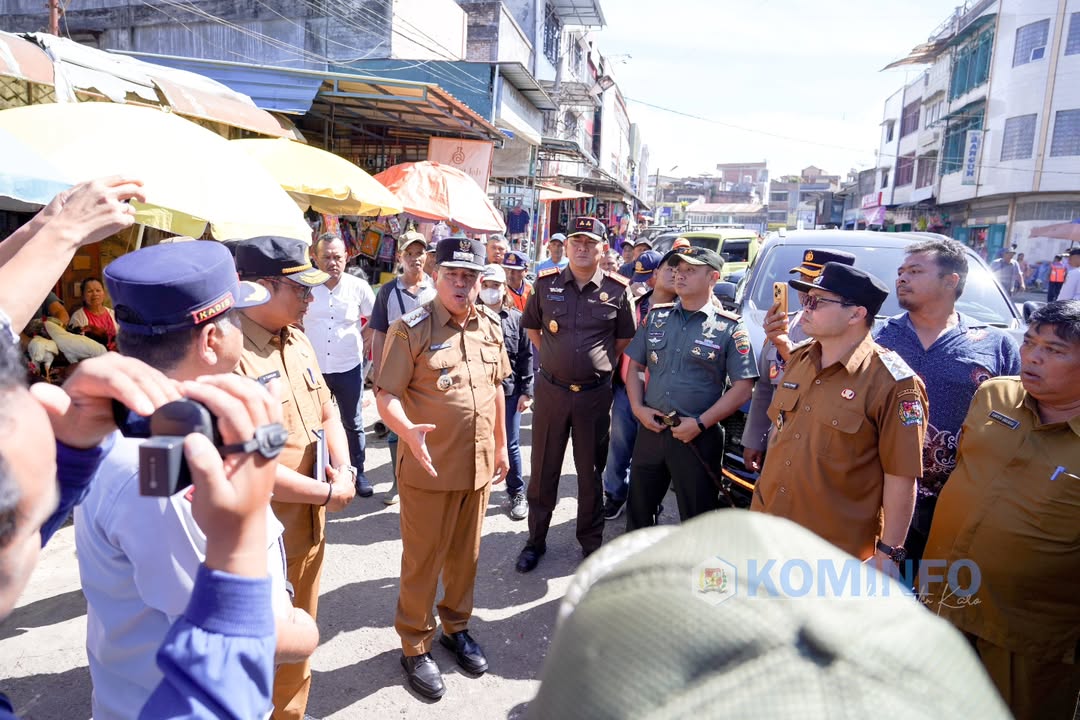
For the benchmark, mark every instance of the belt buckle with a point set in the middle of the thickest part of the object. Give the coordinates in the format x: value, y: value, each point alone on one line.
x: 575, y: 388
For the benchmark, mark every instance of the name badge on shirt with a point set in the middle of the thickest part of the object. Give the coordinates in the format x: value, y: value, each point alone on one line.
x: 790, y: 385
x: 1004, y: 420
x: 263, y: 379
x: 555, y: 298
x: 440, y: 346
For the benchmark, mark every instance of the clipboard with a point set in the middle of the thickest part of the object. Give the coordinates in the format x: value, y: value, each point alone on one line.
x: 322, y: 455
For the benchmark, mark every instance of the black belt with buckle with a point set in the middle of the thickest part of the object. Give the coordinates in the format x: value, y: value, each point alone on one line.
x: 575, y: 387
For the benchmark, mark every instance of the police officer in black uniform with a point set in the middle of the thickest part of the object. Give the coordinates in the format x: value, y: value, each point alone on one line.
x: 582, y: 319
x: 691, y: 348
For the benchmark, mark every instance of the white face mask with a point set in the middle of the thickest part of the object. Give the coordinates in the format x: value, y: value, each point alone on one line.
x: 491, y: 296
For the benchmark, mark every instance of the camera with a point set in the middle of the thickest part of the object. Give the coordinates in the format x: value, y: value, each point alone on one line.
x: 163, y: 469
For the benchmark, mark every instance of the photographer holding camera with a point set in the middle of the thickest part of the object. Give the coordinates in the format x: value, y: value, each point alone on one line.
x: 216, y: 659
x: 177, y: 309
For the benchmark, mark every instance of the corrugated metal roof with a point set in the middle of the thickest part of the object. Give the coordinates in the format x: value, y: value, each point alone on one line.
x: 586, y: 13
x: 266, y: 86
x: 520, y: 77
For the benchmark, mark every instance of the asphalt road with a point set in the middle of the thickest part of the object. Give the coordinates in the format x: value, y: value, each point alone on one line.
x: 357, y: 672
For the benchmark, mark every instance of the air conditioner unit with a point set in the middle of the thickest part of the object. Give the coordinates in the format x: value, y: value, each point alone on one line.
x: 1037, y: 53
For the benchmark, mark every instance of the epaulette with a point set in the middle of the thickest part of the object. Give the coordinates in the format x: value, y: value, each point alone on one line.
x: 895, y: 364
x: 624, y: 281
x: 492, y: 315
x: 548, y: 272
x: 661, y: 306
x: 414, y: 317
x: 724, y: 312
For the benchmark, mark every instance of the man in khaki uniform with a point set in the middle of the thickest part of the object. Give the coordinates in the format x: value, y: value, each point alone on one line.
x: 847, y: 424
x: 275, y: 349
x: 440, y: 390
x: 1011, y: 508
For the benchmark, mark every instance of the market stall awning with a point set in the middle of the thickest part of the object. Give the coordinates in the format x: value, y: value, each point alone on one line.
x: 76, y: 70
x: 415, y: 105
x: 552, y: 193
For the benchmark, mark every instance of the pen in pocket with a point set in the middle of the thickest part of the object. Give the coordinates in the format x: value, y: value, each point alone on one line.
x: 1059, y: 471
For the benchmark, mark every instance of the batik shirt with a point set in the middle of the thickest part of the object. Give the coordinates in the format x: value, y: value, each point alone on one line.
x: 952, y: 369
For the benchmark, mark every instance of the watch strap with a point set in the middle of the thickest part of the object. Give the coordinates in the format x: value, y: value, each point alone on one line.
x: 701, y: 425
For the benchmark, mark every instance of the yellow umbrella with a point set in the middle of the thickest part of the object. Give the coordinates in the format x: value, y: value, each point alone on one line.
x: 320, y: 180
x: 193, y: 177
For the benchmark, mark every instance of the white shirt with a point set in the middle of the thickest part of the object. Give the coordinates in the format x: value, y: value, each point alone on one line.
x: 1071, y: 289
x: 138, y: 557
x: 333, y: 323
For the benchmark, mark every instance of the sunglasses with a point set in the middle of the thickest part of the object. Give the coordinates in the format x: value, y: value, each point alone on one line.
x: 813, y: 301
x: 304, y: 293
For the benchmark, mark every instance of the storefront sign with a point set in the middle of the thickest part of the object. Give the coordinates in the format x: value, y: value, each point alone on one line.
x: 972, y: 146
x: 473, y: 157
x: 871, y: 201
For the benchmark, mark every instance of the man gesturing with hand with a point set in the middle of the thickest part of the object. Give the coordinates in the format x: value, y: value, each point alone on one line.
x: 440, y: 390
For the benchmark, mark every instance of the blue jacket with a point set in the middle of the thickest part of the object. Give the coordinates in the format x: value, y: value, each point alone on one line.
x: 218, y: 658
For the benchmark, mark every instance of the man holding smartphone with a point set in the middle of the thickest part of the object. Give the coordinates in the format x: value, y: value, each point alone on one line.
x: 690, y: 348
x: 771, y: 365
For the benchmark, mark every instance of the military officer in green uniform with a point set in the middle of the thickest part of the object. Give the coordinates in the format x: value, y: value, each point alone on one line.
x: 581, y: 318
x: 691, y: 348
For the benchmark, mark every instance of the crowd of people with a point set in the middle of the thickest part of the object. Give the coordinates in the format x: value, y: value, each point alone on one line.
x: 930, y: 442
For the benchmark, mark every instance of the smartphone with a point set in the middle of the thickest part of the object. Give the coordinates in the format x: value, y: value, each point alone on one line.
x: 779, y: 294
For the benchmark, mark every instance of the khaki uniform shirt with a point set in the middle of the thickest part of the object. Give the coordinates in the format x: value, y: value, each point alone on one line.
x: 579, y: 327
x: 448, y: 376
x: 1012, y: 506
x: 837, y: 432
x: 289, y: 357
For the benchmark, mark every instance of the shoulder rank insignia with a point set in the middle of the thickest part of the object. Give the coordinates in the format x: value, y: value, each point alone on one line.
x: 661, y: 306
x: 414, y: 317
x: 896, y: 365
x: 548, y: 272
x: 727, y: 313
x: 624, y: 281
x: 491, y: 314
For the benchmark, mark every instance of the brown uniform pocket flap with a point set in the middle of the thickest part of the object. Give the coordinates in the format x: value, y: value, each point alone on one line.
x: 846, y: 421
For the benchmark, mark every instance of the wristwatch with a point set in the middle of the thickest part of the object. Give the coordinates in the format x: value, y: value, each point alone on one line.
x: 350, y: 468
x: 897, y: 554
x: 700, y: 425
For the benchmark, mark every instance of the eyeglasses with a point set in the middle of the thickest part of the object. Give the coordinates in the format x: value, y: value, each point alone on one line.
x: 813, y: 301
x: 305, y: 291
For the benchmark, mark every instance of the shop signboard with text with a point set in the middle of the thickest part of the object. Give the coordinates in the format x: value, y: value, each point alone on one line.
x: 472, y: 157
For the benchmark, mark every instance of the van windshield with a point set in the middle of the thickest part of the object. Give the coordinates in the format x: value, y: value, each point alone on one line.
x: 982, y: 298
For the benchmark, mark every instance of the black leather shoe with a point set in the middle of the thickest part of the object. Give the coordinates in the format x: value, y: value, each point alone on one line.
x: 424, y: 675
x: 528, y: 559
x: 469, y: 653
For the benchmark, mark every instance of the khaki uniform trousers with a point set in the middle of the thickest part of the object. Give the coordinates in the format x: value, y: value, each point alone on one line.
x: 440, y: 534
x: 304, y: 561
x: 1033, y: 690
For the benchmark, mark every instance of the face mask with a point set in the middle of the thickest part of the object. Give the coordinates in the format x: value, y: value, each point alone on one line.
x: 491, y: 296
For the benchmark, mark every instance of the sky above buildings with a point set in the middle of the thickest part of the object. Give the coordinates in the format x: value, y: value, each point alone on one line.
x: 793, y: 82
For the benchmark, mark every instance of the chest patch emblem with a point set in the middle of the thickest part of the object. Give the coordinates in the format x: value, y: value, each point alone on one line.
x: 847, y: 393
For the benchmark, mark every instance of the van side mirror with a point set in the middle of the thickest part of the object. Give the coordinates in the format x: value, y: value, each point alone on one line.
x: 725, y: 293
